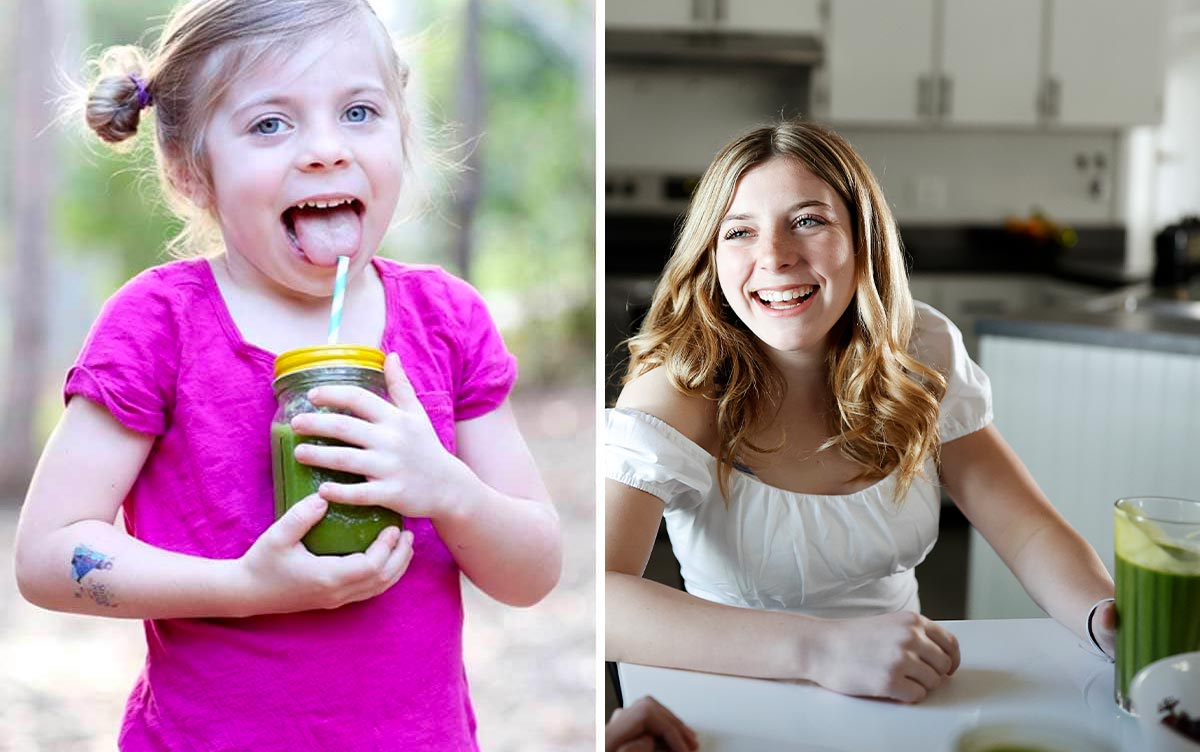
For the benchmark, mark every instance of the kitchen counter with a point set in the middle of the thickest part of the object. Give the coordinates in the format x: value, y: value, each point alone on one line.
x: 1139, y: 329
x: 1012, y: 669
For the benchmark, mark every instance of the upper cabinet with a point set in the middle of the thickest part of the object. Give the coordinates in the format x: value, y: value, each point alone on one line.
x: 661, y: 15
x: 1021, y: 63
x: 879, y: 61
x: 1107, y: 62
x: 719, y: 16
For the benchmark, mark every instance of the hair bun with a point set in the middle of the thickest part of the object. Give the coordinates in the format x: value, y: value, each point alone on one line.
x: 118, y: 94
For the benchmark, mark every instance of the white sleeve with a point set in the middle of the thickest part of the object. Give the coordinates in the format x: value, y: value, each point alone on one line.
x: 648, y: 454
x: 937, y: 342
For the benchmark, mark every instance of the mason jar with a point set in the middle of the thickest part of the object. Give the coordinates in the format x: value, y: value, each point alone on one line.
x: 346, y: 528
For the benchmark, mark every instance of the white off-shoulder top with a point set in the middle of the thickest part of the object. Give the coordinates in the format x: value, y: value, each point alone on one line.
x: 827, y: 556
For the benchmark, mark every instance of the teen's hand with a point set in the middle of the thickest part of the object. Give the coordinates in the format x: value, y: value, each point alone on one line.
x: 646, y: 726
x: 281, y: 576
x: 900, y: 656
x: 1104, y: 626
x: 393, y: 445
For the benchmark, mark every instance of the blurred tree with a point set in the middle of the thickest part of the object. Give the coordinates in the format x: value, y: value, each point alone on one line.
x: 471, y: 107
x: 32, y: 176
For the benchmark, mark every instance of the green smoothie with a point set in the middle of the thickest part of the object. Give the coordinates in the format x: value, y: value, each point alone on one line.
x: 346, y: 528
x: 1158, y: 598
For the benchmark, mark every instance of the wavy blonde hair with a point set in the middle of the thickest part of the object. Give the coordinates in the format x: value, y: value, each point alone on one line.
x: 202, y: 48
x: 886, y: 401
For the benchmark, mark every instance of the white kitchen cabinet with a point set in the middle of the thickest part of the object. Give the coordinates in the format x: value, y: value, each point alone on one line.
x: 769, y: 16
x: 1022, y: 63
x: 988, y: 72
x: 657, y: 15
x: 1092, y: 423
x: 716, y: 16
x: 879, y: 61
x: 1107, y: 63
x: 923, y: 61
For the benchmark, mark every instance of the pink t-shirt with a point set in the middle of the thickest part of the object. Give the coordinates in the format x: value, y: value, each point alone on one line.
x: 165, y: 358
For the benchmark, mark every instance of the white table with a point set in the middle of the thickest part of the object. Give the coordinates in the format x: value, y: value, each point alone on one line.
x: 1012, y: 669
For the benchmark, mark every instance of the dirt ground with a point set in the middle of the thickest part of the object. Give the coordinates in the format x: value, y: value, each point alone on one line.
x: 64, y: 678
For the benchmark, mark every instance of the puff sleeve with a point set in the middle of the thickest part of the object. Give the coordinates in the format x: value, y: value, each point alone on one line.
x: 967, y: 405
x: 648, y: 454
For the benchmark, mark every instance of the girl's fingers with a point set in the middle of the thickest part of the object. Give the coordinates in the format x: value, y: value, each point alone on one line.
x: 397, y: 563
x: 641, y: 744
x: 381, y: 548
x: 399, y: 387
x: 353, y: 399
x: 935, y: 655
x: 299, y: 518
x: 946, y: 641
x: 370, y: 493
x: 354, y: 460
x: 909, y: 690
x: 345, y: 428
x: 925, y: 675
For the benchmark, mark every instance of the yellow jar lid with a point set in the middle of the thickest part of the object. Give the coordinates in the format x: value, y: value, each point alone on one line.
x: 320, y: 356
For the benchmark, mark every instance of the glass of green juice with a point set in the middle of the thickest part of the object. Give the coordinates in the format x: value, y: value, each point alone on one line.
x: 346, y: 528
x: 1157, y: 542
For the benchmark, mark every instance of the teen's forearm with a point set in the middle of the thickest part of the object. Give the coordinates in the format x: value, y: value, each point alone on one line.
x: 510, y: 547
x: 91, y: 567
x: 1063, y: 574
x: 649, y: 623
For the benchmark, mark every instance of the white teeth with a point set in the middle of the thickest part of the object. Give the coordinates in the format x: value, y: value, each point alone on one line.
x: 322, y: 204
x: 782, y: 296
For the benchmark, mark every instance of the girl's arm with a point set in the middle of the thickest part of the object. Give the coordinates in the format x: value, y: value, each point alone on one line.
x: 70, y: 556
x: 1057, y: 567
x: 901, y: 656
x: 504, y: 532
x: 488, y: 503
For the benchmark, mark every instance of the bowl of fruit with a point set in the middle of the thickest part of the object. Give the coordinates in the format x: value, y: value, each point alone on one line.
x: 1166, y: 699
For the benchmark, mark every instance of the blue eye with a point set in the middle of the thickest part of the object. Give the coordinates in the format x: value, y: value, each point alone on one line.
x: 268, y: 126
x: 809, y: 220
x: 359, y: 113
x: 736, y: 233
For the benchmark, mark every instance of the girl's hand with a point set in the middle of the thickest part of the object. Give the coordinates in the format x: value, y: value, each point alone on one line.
x: 281, y: 576
x: 393, y: 445
x: 1104, y: 626
x: 901, y: 656
x: 646, y: 726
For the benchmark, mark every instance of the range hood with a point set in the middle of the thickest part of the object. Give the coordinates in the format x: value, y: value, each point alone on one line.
x: 712, y: 48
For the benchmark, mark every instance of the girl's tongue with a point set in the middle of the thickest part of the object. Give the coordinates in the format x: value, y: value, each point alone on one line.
x: 325, y: 234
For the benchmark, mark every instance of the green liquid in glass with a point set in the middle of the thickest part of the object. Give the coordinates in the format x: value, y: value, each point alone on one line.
x: 346, y: 528
x: 1158, y: 602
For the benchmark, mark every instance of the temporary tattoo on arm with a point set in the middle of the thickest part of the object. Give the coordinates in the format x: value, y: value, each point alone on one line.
x: 83, y: 561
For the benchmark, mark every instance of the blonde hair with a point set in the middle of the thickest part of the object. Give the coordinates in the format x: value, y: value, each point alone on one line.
x: 202, y: 46
x: 886, y: 400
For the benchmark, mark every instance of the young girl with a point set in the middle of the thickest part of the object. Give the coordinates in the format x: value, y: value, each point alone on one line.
x: 283, y: 135
x: 791, y: 410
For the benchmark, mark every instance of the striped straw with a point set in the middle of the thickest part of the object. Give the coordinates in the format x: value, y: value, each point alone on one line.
x: 339, y: 296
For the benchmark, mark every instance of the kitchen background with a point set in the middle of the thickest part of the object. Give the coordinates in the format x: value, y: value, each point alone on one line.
x: 1035, y: 154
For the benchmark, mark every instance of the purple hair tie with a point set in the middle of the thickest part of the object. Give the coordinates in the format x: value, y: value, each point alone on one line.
x: 143, y: 93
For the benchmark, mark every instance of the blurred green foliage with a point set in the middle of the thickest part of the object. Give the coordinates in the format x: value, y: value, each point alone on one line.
x: 534, y: 226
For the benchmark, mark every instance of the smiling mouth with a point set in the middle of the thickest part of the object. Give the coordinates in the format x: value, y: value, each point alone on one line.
x: 781, y: 300
x: 322, y: 230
